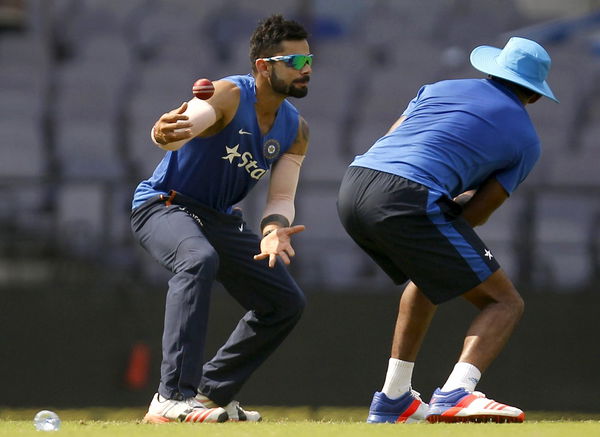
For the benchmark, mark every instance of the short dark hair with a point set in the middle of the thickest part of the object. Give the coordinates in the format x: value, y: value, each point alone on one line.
x: 270, y: 33
x: 526, y: 92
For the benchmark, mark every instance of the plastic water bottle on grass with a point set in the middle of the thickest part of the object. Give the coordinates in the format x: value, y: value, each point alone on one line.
x: 46, y: 421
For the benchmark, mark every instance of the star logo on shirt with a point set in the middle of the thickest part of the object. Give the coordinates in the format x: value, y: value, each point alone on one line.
x: 232, y: 152
x: 488, y: 254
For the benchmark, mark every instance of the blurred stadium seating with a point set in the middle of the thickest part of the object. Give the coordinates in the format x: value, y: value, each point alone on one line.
x: 83, y: 81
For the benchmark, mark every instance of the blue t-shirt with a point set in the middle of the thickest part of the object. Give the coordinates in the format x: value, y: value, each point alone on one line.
x: 220, y: 170
x: 457, y: 134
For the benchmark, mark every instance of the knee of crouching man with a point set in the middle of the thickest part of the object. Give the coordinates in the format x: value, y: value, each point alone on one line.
x: 519, y: 306
x: 293, y: 307
x: 197, y: 259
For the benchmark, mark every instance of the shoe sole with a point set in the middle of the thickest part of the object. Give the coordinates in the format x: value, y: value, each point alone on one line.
x: 152, y: 418
x: 395, y: 420
x: 382, y: 418
x: 480, y: 418
x: 191, y: 418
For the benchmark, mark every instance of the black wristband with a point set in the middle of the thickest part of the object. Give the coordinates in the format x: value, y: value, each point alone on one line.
x: 274, y: 218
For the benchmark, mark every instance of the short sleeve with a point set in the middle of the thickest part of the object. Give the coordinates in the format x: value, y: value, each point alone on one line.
x: 413, y: 102
x: 512, y: 176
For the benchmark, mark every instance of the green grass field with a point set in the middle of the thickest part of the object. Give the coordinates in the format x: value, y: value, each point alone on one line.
x: 292, y: 422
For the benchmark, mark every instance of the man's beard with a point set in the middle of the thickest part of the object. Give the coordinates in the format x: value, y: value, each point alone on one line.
x: 279, y: 86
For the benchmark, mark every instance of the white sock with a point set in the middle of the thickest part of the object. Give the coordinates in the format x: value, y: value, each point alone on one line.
x: 398, y: 378
x: 463, y: 375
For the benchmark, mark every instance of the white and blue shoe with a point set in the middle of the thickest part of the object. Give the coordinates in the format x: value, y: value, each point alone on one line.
x: 460, y: 405
x: 164, y: 410
x: 408, y: 408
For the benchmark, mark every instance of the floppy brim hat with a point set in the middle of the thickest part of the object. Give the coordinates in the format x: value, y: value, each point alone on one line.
x: 521, y: 61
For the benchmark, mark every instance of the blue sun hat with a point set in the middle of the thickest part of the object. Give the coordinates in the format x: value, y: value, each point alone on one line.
x: 521, y: 61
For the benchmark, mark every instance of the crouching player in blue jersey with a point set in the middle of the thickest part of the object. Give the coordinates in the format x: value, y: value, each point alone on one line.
x: 411, y: 202
x: 184, y: 216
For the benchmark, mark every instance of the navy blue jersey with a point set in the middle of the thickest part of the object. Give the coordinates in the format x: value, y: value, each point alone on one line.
x: 220, y: 170
x: 458, y: 133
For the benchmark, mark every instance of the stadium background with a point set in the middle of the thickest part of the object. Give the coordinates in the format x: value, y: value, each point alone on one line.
x: 82, y: 81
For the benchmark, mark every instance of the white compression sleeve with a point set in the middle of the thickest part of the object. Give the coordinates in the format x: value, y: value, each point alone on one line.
x: 282, y: 186
x: 201, y: 114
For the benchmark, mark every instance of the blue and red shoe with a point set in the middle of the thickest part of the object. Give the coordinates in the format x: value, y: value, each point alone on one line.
x: 408, y: 408
x: 460, y: 405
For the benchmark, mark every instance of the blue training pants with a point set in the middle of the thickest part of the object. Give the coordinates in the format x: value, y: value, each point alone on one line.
x: 201, y: 245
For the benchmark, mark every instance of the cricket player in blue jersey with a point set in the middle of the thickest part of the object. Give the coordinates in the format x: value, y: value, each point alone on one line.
x: 184, y: 216
x: 411, y: 201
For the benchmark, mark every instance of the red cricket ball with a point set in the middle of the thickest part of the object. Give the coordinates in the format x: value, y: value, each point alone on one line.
x: 203, y: 89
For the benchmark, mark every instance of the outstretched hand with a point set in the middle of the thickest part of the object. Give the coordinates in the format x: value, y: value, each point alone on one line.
x: 278, y: 243
x: 173, y: 126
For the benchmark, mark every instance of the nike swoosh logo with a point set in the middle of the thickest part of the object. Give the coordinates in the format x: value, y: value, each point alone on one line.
x: 241, y: 228
x: 243, y: 132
